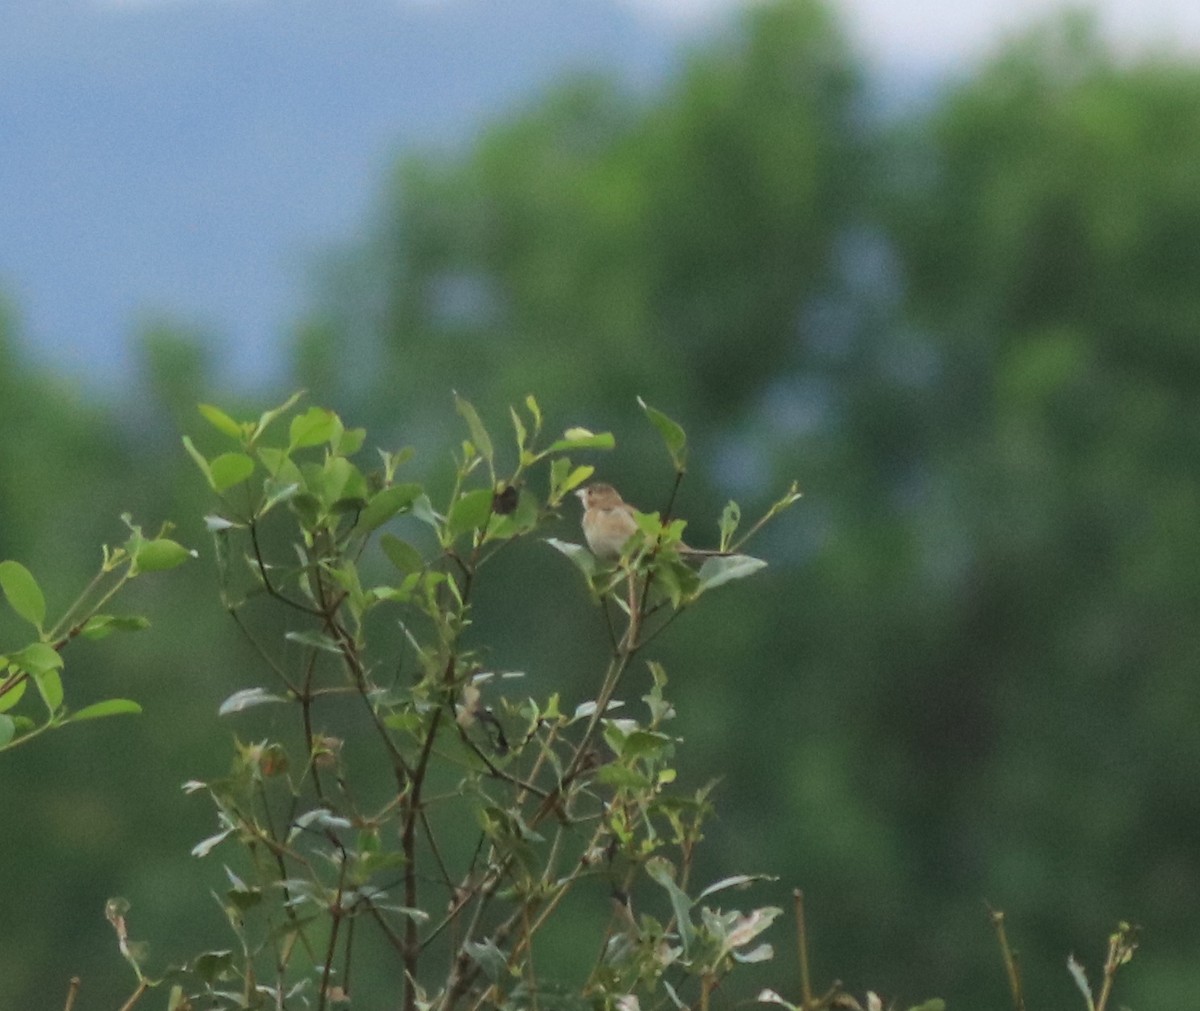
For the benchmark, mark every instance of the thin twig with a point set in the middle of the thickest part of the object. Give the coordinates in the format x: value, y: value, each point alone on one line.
x: 72, y: 992
x: 136, y: 996
x: 1012, y: 965
x: 806, y: 995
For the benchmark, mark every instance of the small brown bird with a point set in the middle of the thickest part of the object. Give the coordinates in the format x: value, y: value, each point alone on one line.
x: 608, y: 523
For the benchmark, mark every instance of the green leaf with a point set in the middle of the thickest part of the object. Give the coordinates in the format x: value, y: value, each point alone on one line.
x: 315, y: 640
x: 37, y: 658
x: 584, y: 560
x: 563, y: 477
x: 267, y: 417
x: 581, y: 438
x: 661, y: 871
x: 641, y: 743
x: 535, y: 412
x: 276, y: 491
x: 469, y: 512
x: 49, y: 683
x: 933, y: 1004
x: 100, y: 625
x: 206, y: 846
x: 23, y: 593
x: 212, y: 966
x: 314, y: 427
x: 423, y: 510
x: 716, y: 571
x: 479, y: 435
x: 385, y: 504
x: 336, y: 481
x: 161, y: 554
x: 201, y: 460
x: 672, y: 434
x: 247, y: 698
x: 621, y: 777
x: 519, y: 428
x: 222, y: 421
x: 734, y: 881
x: 229, y: 469
x: 8, y: 730
x: 351, y: 441
x: 401, y: 554
x: 731, y: 516
x: 109, y: 707
x: 1081, y: 981
x: 13, y: 695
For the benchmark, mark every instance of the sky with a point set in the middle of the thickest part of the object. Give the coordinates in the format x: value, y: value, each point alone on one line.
x: 949, y: 34
x: 192, y: 161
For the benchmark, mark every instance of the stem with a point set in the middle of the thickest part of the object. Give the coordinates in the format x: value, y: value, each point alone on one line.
x: 267, y: 585
x: 142, y: 987
x: 806, y: 995
x: 412, y: 941
x: 72, y: 993
x: 1012, y: 966
x: 77, y: 605
x: 335, y: 915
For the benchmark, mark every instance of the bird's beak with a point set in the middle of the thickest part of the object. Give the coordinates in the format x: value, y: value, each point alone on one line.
x: 581, y: 494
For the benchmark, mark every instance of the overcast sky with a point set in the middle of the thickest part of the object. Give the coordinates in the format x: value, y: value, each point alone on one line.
x: 191, y: 160
x: 951, y: 33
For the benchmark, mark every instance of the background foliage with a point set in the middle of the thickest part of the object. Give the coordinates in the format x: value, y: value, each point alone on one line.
x: 971, y: 672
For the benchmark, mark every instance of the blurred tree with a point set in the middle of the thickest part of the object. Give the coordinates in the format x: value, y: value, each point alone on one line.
x: 88, y: 820
x: 599, y: 243
x: 974, y: 342
x: 1043, y: 217
x: 981, y: 368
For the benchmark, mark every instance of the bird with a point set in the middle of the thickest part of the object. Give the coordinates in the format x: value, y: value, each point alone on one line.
x: 608, y: 523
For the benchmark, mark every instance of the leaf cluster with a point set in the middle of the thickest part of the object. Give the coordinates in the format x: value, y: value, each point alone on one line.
x: 417, y: 798
x: 40, y: 663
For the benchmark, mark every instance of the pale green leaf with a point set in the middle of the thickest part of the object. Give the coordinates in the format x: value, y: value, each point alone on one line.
x: 723, y: 569
x: 247, y: 698
x: 22, y: 592
x: 49, y: 683
x: 519, y: 428
x: 469, y: 512
x: 479, y: 435
x: 314, y: 639
x: 584, y: 560
x: 160, y: 554
x: 731, y: 516
x: 581, y: 438
x: 1080, y: 976
x: 229, y: 469
x: 267, y: 417
x: 221, y: 421
x: 401, y: 554
x: 385, y: 504
x: 12, y: 695
x: 661, y: 871
x: 206, y: 846
x: 98, y: 626
x: 37, y: 658
x: 534, y: 411
x: 314, y: 427
x: 200, y: 458
x: 109, y: 707
x: 672, y: 434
